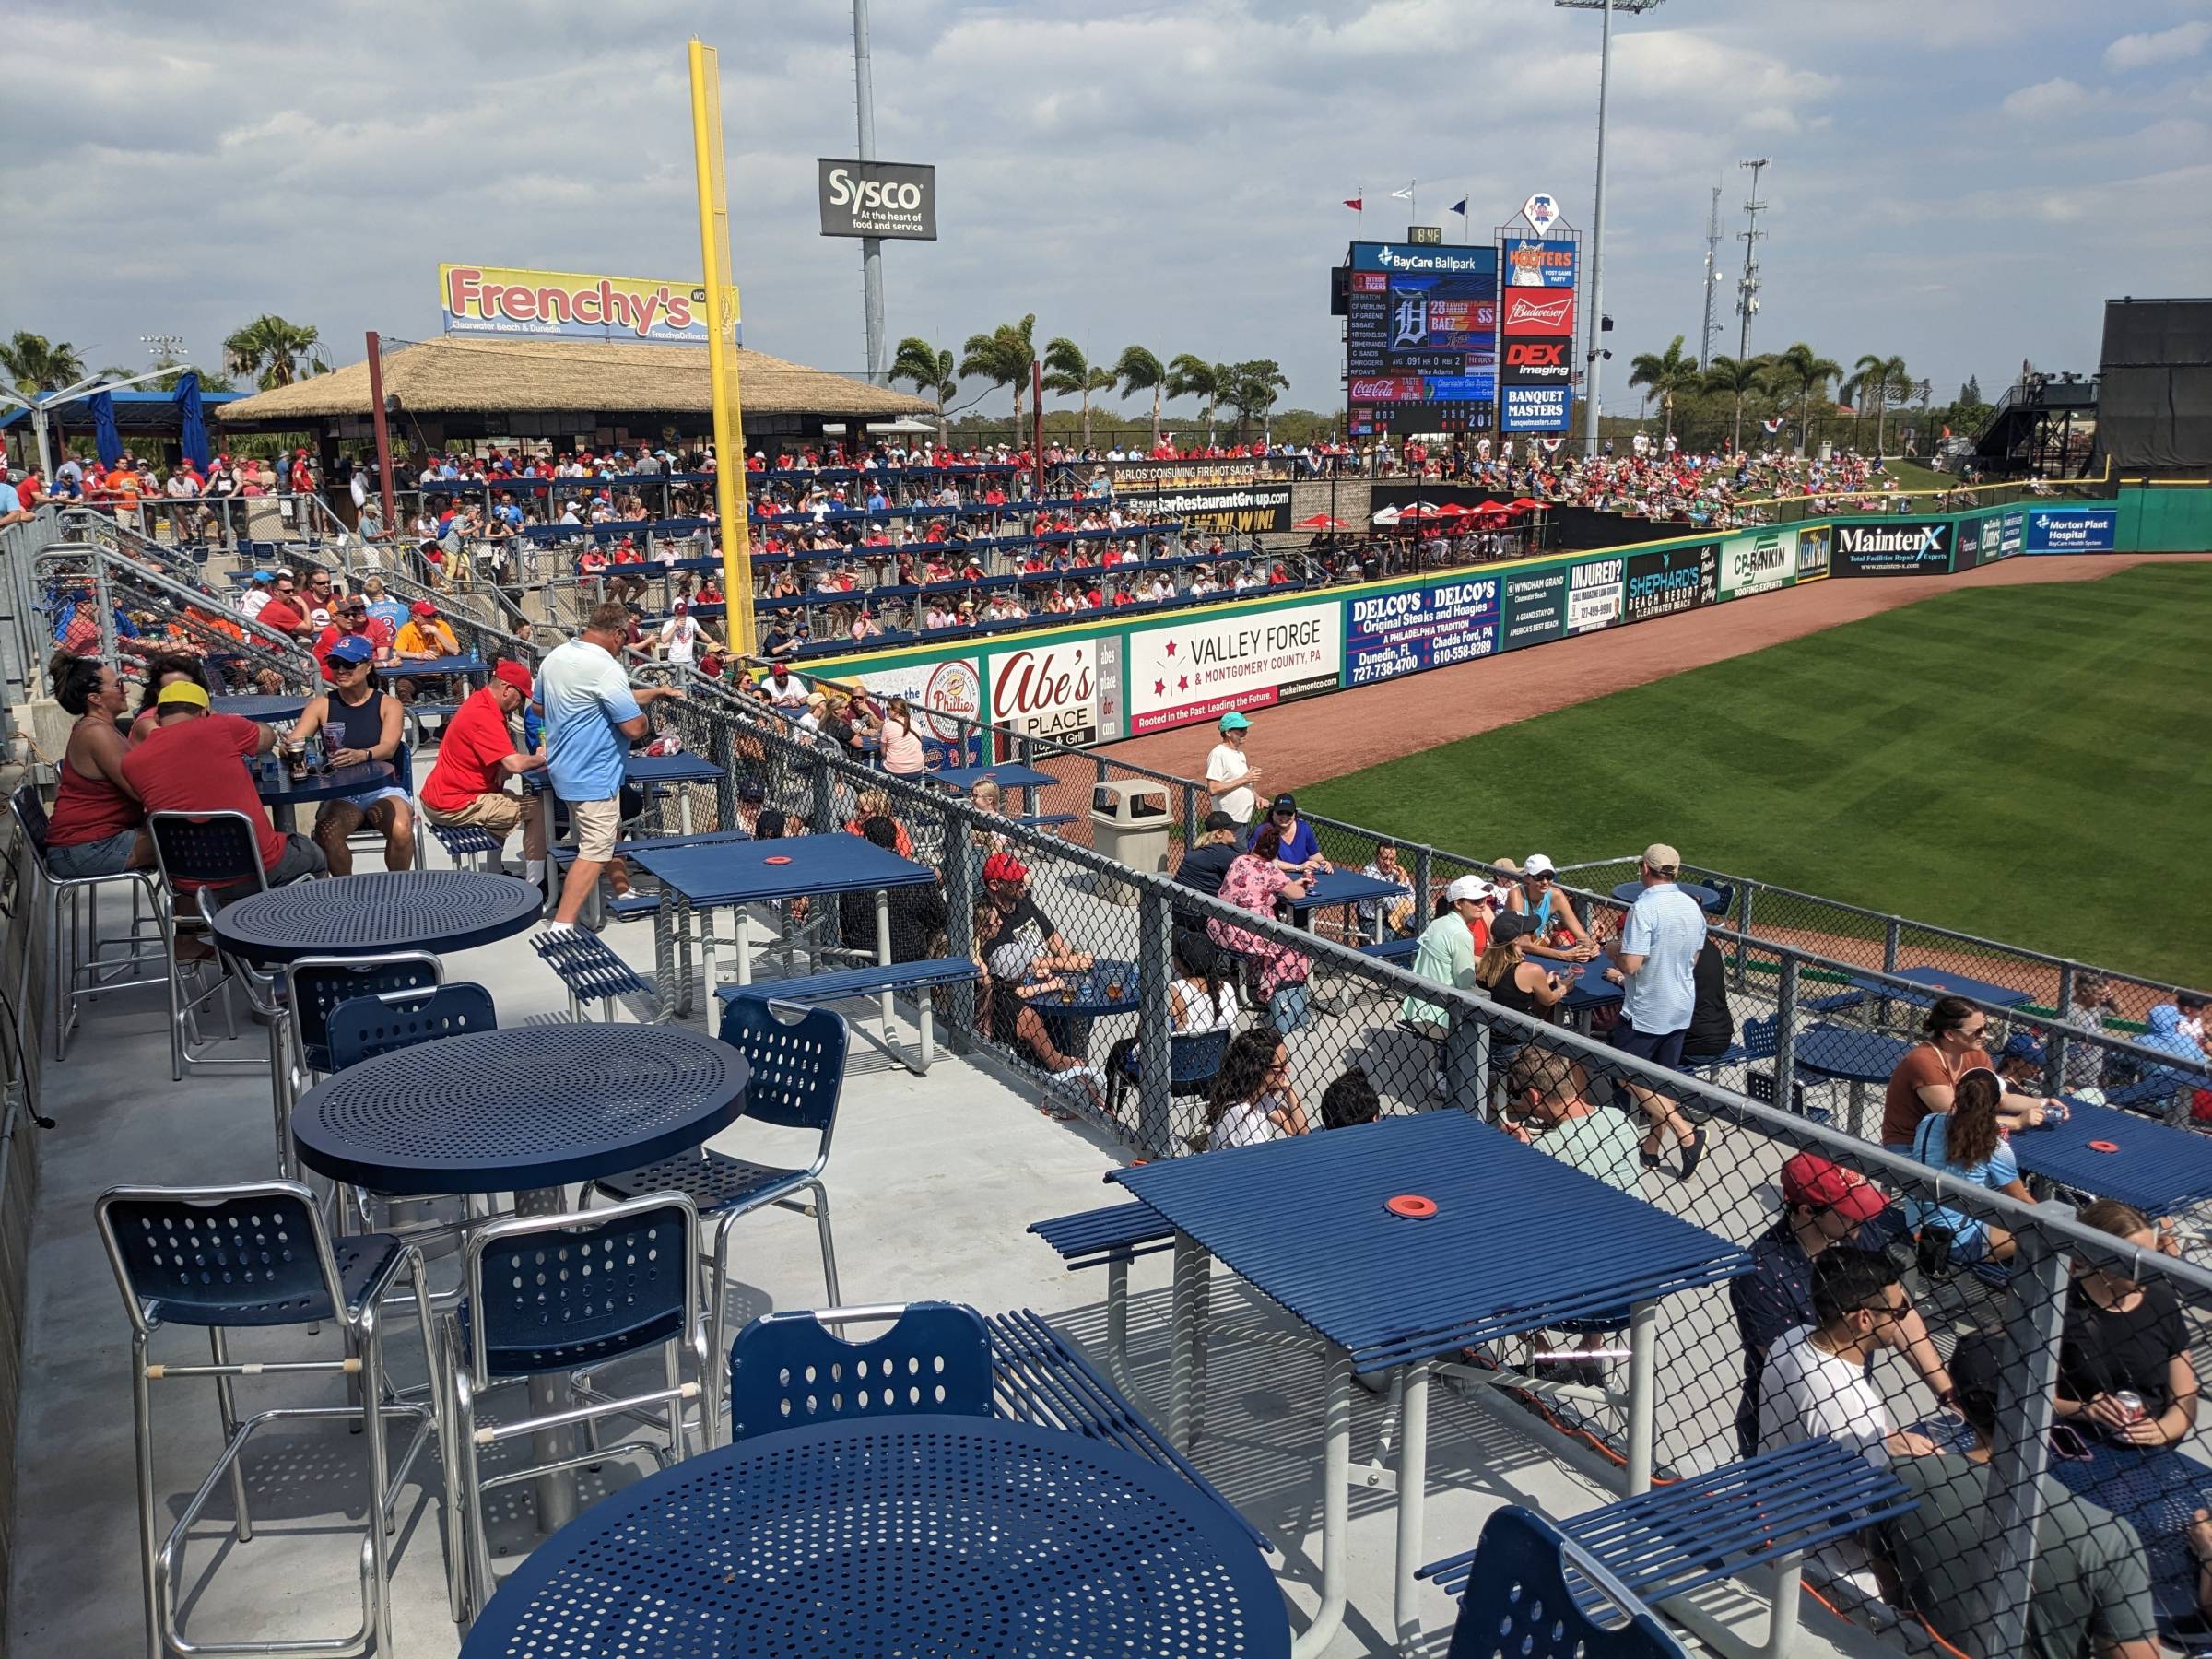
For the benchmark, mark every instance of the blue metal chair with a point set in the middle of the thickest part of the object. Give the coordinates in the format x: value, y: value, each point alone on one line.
x: 257, y: 1256
x: 215, y: 850
x: 798, y: 1073
x: 790, y: 1370
x: 77, y: 954
x: 550, y: 1297
x: 1193, y: 1060
x: 313, y: 986
x: 1519, y: 1600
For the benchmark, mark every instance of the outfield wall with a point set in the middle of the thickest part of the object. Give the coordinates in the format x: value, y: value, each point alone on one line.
x: 1099, y: 682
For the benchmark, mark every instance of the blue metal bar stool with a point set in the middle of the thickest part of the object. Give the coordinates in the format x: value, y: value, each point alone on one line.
x: 313, y: 987
x: 78, y: 953
x: 215, y: 850
x: 791, y: 1370
x: 1518, y: 1600
x: 257, y: 1257
x: 798, y: 1074
x: 561, y: 1295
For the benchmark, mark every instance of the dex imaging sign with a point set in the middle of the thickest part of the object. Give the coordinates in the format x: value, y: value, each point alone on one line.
x: 894, y: 200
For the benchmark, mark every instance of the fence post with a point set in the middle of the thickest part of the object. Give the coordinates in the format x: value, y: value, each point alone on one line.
x: 2055, y: 1057
x: 1155, y: 1021
x: 2033, y: 1318
x: 959, y: 865
x: 822, y: 813
x: 1786, y: 1034
x: 1892, y: 932
x: 1424, y: 859
x: 1190, y: 817
x: 1743, y: 926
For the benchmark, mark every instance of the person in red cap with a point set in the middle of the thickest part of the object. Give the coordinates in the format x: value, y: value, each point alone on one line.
x: 467, y: 787
x: 1823, y: 1205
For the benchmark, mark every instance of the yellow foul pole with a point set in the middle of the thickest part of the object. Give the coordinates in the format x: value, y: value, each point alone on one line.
x: 721, y: 349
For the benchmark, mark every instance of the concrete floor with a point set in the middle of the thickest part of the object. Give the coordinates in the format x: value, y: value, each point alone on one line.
x: 934, y: 1179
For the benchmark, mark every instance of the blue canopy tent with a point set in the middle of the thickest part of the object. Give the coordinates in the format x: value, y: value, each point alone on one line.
x: 105, y: 438
x: 193, y: 420
x: 137, y: 413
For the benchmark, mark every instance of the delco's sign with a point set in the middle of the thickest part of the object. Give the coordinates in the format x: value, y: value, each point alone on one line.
x: 894, y: 200
x: 566, y: 305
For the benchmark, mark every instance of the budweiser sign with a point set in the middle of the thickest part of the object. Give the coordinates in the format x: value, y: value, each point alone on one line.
x: 1389, y: 389
x: 1539, y: 311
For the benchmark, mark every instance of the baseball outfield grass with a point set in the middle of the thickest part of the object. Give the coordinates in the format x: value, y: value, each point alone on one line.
x: 2032, y: 764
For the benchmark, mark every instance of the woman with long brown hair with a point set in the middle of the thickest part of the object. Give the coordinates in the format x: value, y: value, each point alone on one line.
x: 1967, y: 1143
x: 1253, y: 1100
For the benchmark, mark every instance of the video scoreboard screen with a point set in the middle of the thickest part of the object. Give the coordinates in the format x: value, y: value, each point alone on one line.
x: 1420, y: 348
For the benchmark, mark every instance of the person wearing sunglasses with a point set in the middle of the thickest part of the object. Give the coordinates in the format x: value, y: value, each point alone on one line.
x: 2124, y: 1373
x: 1925, y: 1079
x: 350, y: 620
x: 1537, y: 895
x: 284, y: 612
x: 360, y: 724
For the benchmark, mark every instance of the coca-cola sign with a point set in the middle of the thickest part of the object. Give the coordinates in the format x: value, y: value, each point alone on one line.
x: 1389, y: 389
x: 1048, y: 691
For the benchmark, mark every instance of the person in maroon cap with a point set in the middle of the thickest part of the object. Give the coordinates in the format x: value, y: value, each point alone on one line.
x: 1823, y: 1205
x: 467, y: 787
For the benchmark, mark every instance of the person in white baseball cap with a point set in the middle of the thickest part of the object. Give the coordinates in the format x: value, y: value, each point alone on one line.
x: 1537, y: 896
x: 1446, y: 954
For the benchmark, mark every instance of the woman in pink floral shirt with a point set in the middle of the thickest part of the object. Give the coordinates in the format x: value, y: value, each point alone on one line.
x: 1255, y: 882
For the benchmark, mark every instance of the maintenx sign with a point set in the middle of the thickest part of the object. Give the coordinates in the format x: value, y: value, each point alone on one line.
x: 2072, y: 529
x: 1907, y: 548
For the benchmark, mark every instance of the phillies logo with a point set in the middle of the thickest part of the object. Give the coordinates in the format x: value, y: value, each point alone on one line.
x: 1534, y: 353
x: 1528, y: 313
x: 1541, y: 211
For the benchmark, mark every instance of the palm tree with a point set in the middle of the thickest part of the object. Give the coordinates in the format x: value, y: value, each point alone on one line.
x: 1005, y: 357
x: 930, y: 372
x: 1805, y: 373
x: 1140, y: 370
x: 35, y: 364
x: 274, y: 351
x: 1069, y: 373
x: 1666, y: 375
x: 1251, y: 390
x: 1735, y: 377
x: 1876, y: 380
x: 1190, y: 376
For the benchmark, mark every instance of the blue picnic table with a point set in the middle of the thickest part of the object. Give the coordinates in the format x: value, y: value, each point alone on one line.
x: 1007, y: 774
x: 928, y: 1536
x: 266, y: 709
x: 1708, y: 900
x: 1345, y: 888
x: 376, y: 912
x: 2159, y: 1170
x: 1934, y: 983
x: 1394, y: 1290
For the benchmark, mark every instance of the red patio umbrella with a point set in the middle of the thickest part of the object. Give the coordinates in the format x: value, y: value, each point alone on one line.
x: 1319, y: 521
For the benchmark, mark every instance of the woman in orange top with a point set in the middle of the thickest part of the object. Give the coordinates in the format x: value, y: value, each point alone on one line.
x: 1927, y: 1077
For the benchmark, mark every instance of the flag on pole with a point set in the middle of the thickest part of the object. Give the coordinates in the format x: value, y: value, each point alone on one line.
x: 1357, y: 204
x: 1459, y: 207
x: 1774, y: 424
x: 1402, y: 195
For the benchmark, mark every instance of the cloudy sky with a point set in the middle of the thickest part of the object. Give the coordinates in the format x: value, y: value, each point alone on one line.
x: 1961, y: 183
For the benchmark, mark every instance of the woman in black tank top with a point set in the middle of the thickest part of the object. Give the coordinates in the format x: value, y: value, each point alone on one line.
x: 1512, y: 980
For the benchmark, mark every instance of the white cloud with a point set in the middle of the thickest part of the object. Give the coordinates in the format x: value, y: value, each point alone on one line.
x: 2166, y: 46
x: 2047, y: 99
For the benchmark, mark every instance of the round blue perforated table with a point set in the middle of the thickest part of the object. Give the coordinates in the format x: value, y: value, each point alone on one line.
x: 923, y: 1537
x: 517, y: 1110
x: 387, y: 909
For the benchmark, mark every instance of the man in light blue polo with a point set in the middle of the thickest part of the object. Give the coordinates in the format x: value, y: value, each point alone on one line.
x: 1655, y: 965
x: 592, y: 718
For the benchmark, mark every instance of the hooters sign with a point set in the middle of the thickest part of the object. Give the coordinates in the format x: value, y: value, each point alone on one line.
x: 1048, y: 691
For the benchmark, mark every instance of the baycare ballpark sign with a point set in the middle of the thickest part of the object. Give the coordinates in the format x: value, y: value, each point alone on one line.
x: 1080, y: 685
x: 567, y: 305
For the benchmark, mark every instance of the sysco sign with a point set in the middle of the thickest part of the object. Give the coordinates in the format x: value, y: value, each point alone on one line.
x: 894, y: 200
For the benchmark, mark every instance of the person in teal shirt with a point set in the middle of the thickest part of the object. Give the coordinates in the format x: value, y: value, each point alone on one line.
x: 1446, y: 954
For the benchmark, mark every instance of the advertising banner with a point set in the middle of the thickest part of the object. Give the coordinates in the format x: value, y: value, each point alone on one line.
x: 1966, y: 542
x: 1534, y: 408
x: 2012, y: 535
x: 1593, y: 594
x: 1199, y: 669
x: 1907, y: 548
x: 1390, y: 634
x: 1240, y: 492
x: 1758, y: 561
x: 2072, y: 529
x: 1666, y: 581
x: 1532, y: 312
x: 1532, y: 262
x: 1048, y: 691
x: 1526, y: 361
x: 952, y: 687
x: 894, y: 200
x: 1535, y: 608
x: 1812, y: 552
x: 567, y: 305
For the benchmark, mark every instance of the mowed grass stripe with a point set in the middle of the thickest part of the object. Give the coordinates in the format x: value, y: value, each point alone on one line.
x: 2028, y: 763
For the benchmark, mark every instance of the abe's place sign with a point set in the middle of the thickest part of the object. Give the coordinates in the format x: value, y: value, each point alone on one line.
x: 894, y: 200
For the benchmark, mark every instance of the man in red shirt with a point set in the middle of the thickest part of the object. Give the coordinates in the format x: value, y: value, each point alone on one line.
x: 350, y: 616
x: 193, y: 761
x: 476, y: 757
x: 284, y: 612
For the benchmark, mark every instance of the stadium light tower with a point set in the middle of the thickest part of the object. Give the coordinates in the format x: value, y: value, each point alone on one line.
x: 1595, y: 356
